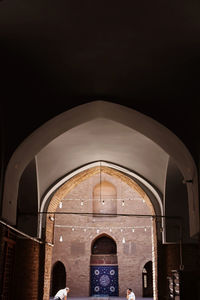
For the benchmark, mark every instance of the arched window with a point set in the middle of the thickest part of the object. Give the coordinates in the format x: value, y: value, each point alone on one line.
x: 58, y: 278
x: 105, y: 198
x: 104, y: 245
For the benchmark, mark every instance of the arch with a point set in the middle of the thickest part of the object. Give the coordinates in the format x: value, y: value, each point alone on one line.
x: 150, y: 128
x: 147, y: 280
x: 104, y: 244
x: 56, y: 194
x: 105, y: 198
x: 66, y: 184
x: 58, y: 277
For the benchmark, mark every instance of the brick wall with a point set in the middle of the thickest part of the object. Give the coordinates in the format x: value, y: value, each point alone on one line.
x: 27, y: 270
x: 7, y: 248
x: 75, y: 250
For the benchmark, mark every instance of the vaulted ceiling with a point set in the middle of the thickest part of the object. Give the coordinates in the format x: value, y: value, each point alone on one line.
x: 97, y: 140
x: 59, y: 54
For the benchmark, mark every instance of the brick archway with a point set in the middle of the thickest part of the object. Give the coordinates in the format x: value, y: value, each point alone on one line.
x: 60, y: 194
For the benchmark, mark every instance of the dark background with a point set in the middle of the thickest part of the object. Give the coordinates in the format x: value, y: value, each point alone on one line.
x: 56, y: 55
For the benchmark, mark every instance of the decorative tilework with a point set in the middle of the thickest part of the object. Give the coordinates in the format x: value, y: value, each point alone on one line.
x: 104, y: 280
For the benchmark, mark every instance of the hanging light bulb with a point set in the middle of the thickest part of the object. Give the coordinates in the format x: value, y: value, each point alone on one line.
x: 121, y: 229
x: 72, y: 228
x: 145, y: 229
x: 81, y: 202
x: 123, y: 240
x: 84, y: 229
x: 97, y: 230
x: 123, y: 203
x: 103, y: 202
x: 60, y: 204
x: 110, y: 230
x: 61, y: 239
x: 133, y: 230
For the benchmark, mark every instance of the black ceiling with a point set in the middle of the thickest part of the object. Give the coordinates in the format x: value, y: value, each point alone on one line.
x: 58, y: 54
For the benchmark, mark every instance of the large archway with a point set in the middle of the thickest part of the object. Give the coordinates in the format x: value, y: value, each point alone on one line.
x: 99, y: 110
x: 75, y: 229
x: 124, y: 140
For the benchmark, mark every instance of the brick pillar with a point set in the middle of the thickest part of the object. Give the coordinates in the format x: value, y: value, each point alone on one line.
x: 27, y: 270
x: 7, y: 247
x: 47, y: 271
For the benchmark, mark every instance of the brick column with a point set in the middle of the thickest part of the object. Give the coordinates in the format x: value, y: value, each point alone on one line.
x: 7, y: 247
x: 27, y: 270
x: 47, y: 271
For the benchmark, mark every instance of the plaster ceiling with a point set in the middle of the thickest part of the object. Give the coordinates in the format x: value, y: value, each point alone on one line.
x: 101, y: 139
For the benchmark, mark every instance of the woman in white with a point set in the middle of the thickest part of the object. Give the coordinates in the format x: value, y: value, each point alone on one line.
x: 130, y: 295
x: 62, y: 294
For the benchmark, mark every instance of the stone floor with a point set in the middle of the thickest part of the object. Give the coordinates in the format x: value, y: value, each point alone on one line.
x: 103, y: 298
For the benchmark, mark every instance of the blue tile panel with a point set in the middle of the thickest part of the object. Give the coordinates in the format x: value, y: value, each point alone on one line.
x: 104, y: 280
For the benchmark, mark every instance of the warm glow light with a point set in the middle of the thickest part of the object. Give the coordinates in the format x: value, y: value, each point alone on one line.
x: 61, y: 238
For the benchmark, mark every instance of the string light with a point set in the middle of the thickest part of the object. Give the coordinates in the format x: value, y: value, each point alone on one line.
x: 104, y: 228
x: 92, y: 199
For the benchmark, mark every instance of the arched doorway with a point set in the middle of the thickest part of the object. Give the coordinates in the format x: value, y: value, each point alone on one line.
x: 104, y: 267
x: 147, y: 280
x: 58, y: 278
